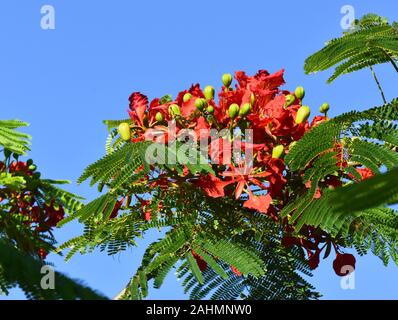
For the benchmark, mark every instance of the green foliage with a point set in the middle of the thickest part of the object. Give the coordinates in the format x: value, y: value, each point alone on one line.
x: 12, y: 139
x: 338, y: 147
x: 379, y: 190
x: 281, y: 280
x: 371, y: 41
x: 116, y: 166
x: 21, y: 269
x: 20, y: 243
x: 10, y: 181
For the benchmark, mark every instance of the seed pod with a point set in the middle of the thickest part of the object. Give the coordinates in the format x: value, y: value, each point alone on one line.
x: 227, y: 79
x: 277, y: 151
x: 233, y: 110
x: 289, y: 100
x: 245, y: 109
x: 186, y: 97
x: 210, y: 109
x: 174, y: 110
x: 124, y: 131
x: 299, y: 92
x: 324, y: 108
x: 302, y: 114
x: 200, y: 104
x: 159, y: 117
x: 208, y: 92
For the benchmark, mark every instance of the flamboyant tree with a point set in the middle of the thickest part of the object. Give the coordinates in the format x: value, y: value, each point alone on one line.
x: 249, y: 191
x: 239, y: 224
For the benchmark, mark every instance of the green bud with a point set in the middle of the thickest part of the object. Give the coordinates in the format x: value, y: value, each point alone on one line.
x: 233, y: 110
x: 210, y: 109
x: 208, y: 92
x: 278, y: 151
x: 302, y: 114
x: 245, y: 109
x: 29, y: 162
x: 174, y: 110
x: 32, y: 167
x: 289, y: 100
x: 252, y: 98
x: 37, y: 175
x: 200, y: 104
x: 186, y: 97
x: 299, y: 92
x: 159, y: 117
x: 227, y: 79
x: 124, y: 131
x: 292, y: 144
x: 324, y: 108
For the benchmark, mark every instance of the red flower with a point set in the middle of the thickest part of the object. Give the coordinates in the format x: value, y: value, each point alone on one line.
x: 201, y: 263
x: 236, y: 271
x: 313, y: 260
x: 365, y: 173
x: 116, y: 208
x: 137, y: 108
x: 42, y: 253
x: 244, y: 174
x: 343, y: 264
x: 213, y: 186
x: 259, y: 203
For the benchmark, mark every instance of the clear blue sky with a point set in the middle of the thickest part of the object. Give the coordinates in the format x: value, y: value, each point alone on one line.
x: 66, y: 81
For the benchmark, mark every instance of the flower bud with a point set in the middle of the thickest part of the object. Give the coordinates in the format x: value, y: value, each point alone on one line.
x: 289, y: 100
x: 278, y: 151
x: 233, y: 110
x: 252, y: 99
x: 159, y: 117
x: 302, y: 114
x: 29, y: 162
x: 324, y: 108
x: 186, y: 97
x: 208, y: 92
x: 227, y: 79
x: 299, y: 92
x: 210, y: 109
x: 292, y: 144
x: 124, y: 131
x: 174, y: 110
x: 32, y: 167
x: 200, y: 104
x: 245, y: 109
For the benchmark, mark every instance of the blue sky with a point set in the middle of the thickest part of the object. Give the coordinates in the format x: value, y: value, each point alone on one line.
x: 66, y: 81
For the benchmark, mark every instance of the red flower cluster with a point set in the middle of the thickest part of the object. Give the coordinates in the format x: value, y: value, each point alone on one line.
x: 259, y: 117
x: 260, y: 106
x: 37, y: 216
